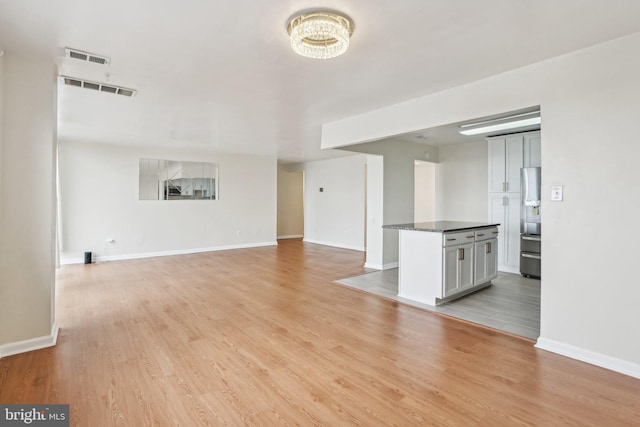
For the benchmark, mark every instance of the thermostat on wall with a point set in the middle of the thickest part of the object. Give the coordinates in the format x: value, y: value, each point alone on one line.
x: 556, y: 193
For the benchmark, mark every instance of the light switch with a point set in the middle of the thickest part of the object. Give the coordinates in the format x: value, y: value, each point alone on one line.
x: 556, y: 193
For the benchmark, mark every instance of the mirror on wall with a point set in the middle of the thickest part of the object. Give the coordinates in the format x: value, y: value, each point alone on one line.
x: 177, y: 180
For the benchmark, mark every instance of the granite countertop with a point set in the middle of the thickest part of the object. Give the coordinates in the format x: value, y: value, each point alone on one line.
x: 440, y: 226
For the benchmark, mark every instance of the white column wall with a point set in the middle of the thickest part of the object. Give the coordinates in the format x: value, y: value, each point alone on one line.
x: 27, y: 209
x: 375, y: 211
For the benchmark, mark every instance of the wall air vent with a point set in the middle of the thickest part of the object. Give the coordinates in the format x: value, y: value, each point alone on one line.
x: 100, y: 87
x: 86, y: 56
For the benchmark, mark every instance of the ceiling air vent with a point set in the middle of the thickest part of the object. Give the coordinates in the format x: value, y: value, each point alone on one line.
x: 86, y: 56
x: 100, y: 87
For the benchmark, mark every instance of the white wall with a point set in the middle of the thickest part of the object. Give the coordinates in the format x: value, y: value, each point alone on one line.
x: 99, y: 200
x: 375, y: 212
x: 461, y: 182
x: 398, y: 193
x: 290, y: 203
x: 27, y: 204
x: 590, y: 103
x: 2, y: 101
x: 398, y: 201
x: 335, y: 216
x: 424, y: 208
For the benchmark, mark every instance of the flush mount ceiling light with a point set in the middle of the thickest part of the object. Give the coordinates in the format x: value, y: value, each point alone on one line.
x: 504, y: 123
x: 320, y: 34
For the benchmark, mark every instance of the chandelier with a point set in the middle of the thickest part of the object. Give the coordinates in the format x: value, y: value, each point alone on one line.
x: 320, y: 34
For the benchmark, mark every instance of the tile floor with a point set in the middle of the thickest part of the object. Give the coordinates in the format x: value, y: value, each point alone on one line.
x: 510, y: 304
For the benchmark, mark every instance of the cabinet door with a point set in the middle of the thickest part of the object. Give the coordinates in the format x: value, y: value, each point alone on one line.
x: 491, y: 259
x: 450, y: 271
x: 513, y: 162
x: 497, y: 164
x: 532, y: 153
x: 457, y: 269
x: 505, y: 210
x: 465, y: 266
x: 511, y: 233
x: 497, y: 216
x: 486, y: 261
x: 481, y: 263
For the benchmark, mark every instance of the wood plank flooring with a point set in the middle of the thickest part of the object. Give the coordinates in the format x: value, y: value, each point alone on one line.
x: 511, y: 304
x: 263, y: 337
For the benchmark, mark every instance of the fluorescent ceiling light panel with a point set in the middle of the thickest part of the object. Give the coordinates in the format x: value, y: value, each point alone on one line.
x: 504, y: 123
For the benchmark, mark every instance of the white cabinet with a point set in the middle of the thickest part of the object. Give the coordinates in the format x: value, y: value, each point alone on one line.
x: 505, y: 210
x: 507, y: 155
x: 457, y: 269
x: 486, y: 261
x: 531, y: 149
x: 505, y: 161
x: 438, y: 266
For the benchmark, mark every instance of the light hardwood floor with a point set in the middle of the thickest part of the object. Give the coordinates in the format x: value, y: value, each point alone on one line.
x: 263, y: 337
x: 511, y: 304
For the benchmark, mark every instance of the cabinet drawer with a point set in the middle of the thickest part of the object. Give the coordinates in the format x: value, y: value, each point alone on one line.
x: 486, y: 233
x: 530, y: 243
x: 458, y: 238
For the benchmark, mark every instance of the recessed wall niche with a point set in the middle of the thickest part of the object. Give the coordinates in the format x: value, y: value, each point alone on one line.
x: 177, y: 180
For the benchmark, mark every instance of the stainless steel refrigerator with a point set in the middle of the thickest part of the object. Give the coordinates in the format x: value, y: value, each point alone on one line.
x: 530, y: 222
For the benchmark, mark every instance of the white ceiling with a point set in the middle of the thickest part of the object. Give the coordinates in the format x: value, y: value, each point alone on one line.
x: 220, y: 74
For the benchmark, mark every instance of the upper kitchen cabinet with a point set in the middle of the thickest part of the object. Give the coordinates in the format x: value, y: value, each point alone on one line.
x: 509, y: 153
x: 531, y: 150
x: 505, y: 161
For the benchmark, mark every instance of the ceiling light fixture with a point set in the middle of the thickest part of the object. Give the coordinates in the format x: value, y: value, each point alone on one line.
x: 504, y: 123
x: 320, y: 34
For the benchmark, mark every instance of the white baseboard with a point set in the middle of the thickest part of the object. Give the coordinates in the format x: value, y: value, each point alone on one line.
x: 387, y: 266
x: 31, y: 344
x: 168, y: 253
x: 591, y: 357
x: 509, y: 269
x: 292, y: 236
x: 335, y: 245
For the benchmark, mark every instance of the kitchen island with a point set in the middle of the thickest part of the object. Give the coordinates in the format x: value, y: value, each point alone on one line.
x: 443, y: 260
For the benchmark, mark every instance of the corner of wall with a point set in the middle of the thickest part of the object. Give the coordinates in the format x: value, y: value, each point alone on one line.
x: 31, y: 344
